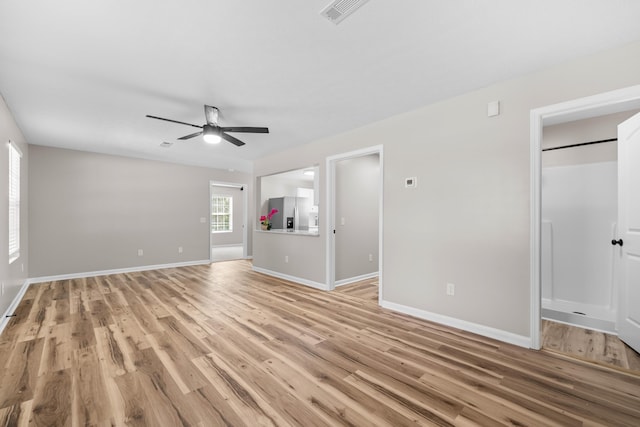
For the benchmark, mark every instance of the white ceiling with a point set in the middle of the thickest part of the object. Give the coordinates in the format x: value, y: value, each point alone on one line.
x: 83, y: 74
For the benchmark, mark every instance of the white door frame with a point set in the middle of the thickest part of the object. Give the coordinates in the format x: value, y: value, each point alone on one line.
x: 331, y: 212
x: 592, y: 106
x: 245, y: 199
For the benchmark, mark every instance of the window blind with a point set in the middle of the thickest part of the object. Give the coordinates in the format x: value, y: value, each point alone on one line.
x: 14, y: 201
x: 221, y: 213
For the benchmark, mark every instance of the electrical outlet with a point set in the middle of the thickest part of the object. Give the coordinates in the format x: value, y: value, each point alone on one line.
x: 451, y: 289
x: 286, y: 258
x: 140, y: 252
x: 179, y: 249
x: 370, y: 257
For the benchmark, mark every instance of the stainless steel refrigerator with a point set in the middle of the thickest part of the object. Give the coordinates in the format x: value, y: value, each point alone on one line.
x: 293, y: 213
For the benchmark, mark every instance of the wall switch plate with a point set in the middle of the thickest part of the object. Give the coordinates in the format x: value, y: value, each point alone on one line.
x: 451, y: 289
x: 140, y: 252
x: 370, y: 257
x: 179, y: 249
x: 286, y: 258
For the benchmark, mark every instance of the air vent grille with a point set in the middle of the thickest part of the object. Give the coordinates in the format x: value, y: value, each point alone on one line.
x: 338, y: 10
x: 166, y: 144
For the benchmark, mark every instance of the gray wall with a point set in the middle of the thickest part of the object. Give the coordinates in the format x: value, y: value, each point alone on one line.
x: 234, y: 237
x: 92, y: 212
x: 357, y: 187
x: 12, y: 275
x: 467, y: 222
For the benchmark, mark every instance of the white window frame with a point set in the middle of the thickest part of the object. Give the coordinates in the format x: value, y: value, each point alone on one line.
x: 214, y: 212
x: 14, y: 201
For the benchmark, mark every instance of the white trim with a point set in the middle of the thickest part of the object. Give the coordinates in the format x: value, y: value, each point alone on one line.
x: 230, y: 245
x: 356, y: 279
x: 534, y: 239
x: 592, y: 106
x: 116, y: 271
x: 330, y: 243
x: 298, y: 280
x: 485, y: 331
x: 14, y: 305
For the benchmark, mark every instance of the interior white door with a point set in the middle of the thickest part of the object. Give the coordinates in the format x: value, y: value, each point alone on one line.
x: 628, y: 242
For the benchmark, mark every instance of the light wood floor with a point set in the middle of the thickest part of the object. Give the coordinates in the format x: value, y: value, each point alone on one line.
x: 221, y: 345
x: 589, y: 345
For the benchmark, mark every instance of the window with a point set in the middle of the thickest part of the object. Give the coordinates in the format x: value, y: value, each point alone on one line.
x: 14, y: 202
x: 221, y: 213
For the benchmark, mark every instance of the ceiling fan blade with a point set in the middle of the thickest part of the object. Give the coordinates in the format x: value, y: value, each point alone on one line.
x: 211, y: 114
x: 245, y: 129
x: 231, y: 139
x: 190, y: 136
x: 173, y: 121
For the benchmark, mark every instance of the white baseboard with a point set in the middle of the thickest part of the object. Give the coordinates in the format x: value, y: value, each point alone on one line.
x: 356, y: 279
x: 475, y: 328
x: 115, y: 271
x: 14, y: 304
x: 299, y: 280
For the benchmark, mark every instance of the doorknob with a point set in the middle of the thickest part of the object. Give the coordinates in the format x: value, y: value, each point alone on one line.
x: 617, y: 242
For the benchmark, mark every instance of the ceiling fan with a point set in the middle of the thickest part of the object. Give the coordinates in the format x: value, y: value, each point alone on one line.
x: 211, y: 132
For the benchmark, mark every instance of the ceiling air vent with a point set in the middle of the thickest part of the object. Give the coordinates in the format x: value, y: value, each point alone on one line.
x: 166, y: 144
x: 340, y: 9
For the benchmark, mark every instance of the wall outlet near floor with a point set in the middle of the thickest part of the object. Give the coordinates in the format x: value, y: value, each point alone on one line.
x: 179, y: 249
x: 286, y: 258
x: 140, y: 252
x: 451, y: 289
x: 370, y: 257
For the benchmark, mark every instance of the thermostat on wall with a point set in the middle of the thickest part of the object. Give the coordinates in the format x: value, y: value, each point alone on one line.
x: 411, y: 182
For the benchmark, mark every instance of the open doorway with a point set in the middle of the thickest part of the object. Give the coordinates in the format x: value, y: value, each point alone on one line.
x: 354, y: 212
x: 579, y: 213
x: 623, y: 100
x: 227, y: 221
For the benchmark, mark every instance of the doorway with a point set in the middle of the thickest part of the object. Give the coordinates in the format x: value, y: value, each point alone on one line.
x: 350, y: 176
x: 227, y: 221
x: 594, y: 106
x: 579, y: 211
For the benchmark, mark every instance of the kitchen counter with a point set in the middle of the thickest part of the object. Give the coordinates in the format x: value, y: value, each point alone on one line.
x: 313, y: 233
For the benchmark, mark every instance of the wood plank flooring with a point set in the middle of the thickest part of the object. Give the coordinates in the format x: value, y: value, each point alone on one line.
x: 593, y: 346
x: 222, y: 345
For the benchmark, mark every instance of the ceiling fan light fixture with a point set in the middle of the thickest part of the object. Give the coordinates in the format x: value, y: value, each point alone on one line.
x: 211, y: 135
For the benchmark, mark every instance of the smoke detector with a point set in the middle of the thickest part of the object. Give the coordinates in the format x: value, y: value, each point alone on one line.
x: 340, y: 9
